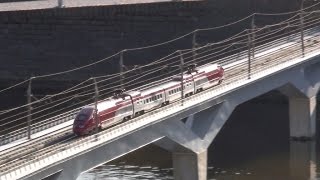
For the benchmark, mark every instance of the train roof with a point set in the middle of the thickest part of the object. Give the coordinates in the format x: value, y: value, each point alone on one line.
x: 158, y: 88
x: 107, y: 104
x: 208, y: 67
x: 198, y: 70
x: 178, y: 77
x: 134, y: 93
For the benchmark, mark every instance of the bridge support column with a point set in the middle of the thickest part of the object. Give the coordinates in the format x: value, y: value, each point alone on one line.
x: 302, y: 114
x: 190, y: 165
x: 303, y: 160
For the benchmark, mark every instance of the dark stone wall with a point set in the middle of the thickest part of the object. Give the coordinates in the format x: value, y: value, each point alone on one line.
x: 46, y: 41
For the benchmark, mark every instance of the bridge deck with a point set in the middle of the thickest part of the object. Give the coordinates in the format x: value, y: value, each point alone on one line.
x: 47, y: 4
x: 285, y: 54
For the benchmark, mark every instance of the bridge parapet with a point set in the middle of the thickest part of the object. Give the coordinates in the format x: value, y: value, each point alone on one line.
x: 234, y: 92
x: 271, y: 69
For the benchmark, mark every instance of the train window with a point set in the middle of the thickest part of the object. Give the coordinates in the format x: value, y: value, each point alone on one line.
x: 160, y: 95
x: 82, y: 117
x: 127, y: 109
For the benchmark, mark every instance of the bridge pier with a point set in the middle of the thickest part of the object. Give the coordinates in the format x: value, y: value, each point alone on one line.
x: 190, y: 165
x: 188, y: 141
x: 303, y: 160
x: 302, y: 114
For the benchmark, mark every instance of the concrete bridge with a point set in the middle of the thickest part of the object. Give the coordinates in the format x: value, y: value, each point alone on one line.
x: 188, y: 128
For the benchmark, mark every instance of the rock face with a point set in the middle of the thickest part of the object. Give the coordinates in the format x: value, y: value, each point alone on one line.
x: 46, y: 41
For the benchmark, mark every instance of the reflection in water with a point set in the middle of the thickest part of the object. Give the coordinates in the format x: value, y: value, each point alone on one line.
x: 302, y: 160
x: 131, y: 172
x: 254, y: 145
x: 298, y: 163
x: 127, y: 172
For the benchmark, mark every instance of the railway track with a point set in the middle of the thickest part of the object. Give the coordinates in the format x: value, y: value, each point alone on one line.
x: 20, y: 151
x: 49, y: 145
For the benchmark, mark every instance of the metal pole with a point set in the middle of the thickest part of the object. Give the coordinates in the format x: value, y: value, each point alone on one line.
x: 121, y: 69
x: 29, y: 108
x: 60, y: 4
x: 238, y: 54
x: 302, y: 27
x: 249, y: 55
x: 253, y: 28
x: 194, y: 45
x: 96, y: 99
x: 181, y: 73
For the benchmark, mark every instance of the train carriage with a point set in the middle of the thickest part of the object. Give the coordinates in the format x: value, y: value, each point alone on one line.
x: 151, y: 98
x: 208, y: 76
x: 125, y: 105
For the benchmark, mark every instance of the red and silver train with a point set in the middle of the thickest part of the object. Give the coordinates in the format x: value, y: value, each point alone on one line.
x: 126, y: 105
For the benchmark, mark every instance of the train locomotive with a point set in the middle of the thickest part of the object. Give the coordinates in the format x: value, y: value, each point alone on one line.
x: 126, y: 105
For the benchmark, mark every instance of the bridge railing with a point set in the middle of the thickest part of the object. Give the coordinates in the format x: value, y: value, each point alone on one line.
x: 40, y: 126
x: 70, y: 115
x: 286, y: 60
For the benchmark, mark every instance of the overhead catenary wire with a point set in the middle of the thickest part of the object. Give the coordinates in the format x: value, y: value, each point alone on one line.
x: 88, y: 85
x: 42, y: 110
x: 159, y: 44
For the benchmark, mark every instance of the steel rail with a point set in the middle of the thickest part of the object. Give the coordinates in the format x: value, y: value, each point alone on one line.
x: 259, y: 63
x: 52, y: 121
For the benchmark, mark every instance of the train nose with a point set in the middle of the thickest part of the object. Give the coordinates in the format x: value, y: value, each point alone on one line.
x: 78, y: 126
